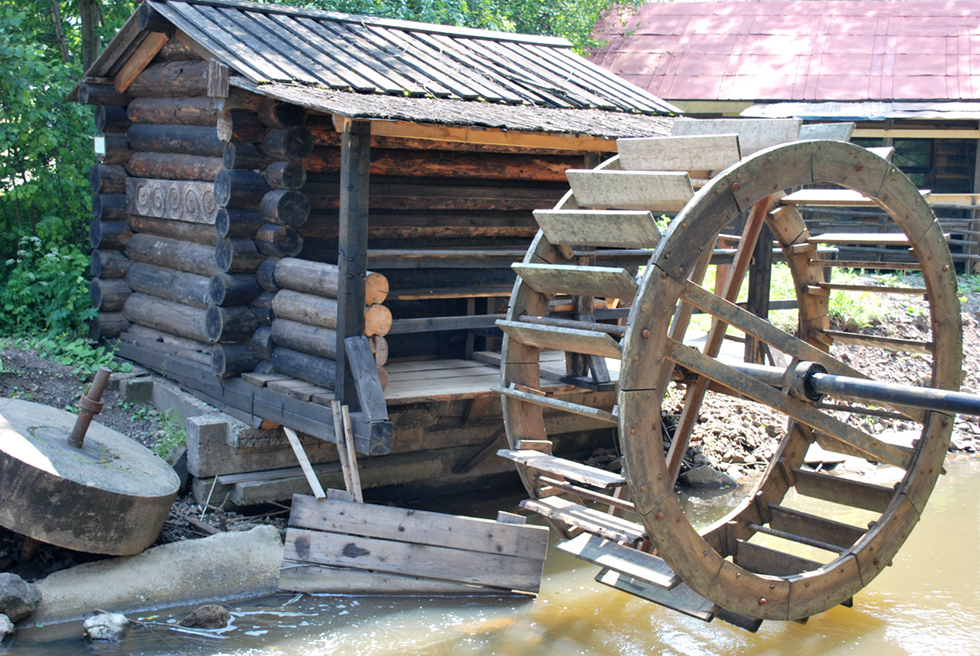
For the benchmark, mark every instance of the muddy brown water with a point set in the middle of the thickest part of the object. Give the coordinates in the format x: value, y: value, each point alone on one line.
x: 927, y: 603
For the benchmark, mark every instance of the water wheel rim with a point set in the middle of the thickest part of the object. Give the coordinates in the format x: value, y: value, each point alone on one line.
x: 699, y: 559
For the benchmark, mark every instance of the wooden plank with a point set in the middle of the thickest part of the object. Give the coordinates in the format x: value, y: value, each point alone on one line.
x: 593, y: 281
x: 681, y: 598
x: 421, y: 527
x: 754, y: 134
x: 569, y: 469
x: 614, y: 556
x: 493, y: 137
x: 562, y: 339
x: 713, y: 369
x: 304, y: 463
x: 862, y: 238
x: 363, y: 59
x: 435, y: 562
x: 151, y: 45
x: 770, y: 562
x: 349, y: 452
x: 557, y: 404
x: 873, y: 289
x: 829, y: 198
x: 316, y: 579
x: 342, y: 455
x: 366, y: 381
x: 814, y: 527
x: 593, y: 521
x: 289, y: 385
x: 621, y: 229
x: 844, y: 491
x: 888, y: 343
x: 656, y: 191
x: 831, y: 131
x: 690, y: 153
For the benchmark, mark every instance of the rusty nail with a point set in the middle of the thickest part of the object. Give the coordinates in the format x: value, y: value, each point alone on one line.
x: 645, y: 333
x: 858, y: 167
x: 762, y: 601
x: 735, y: 186
x: 659, y: 515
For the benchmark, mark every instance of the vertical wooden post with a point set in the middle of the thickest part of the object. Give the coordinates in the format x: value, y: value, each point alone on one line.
x: 352, y: 247
x: 760, y: 283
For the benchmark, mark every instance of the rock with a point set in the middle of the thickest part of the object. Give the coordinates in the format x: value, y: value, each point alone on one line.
x: 210, y: 616
x: 105, y: 627
x: 700, y: 459
x: 706, y: 477
x: 6, y: 626
x: 18, y: 598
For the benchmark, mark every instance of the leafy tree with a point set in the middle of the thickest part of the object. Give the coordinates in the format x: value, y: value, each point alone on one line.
x: 571, y: 19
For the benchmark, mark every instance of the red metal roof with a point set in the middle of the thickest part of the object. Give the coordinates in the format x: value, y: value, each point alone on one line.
x: 809, y: 50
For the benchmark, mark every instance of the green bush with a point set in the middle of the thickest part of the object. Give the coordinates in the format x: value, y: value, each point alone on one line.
x: 45, y: 291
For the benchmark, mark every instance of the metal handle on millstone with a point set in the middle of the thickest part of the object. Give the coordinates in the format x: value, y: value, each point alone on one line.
x: 89, y: 405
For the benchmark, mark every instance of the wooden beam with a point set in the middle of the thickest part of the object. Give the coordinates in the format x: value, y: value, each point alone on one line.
x: 352, y: 247
x: 152, y: 44
x: 304, y: 463
x: 492, y: 137
x: 880, y: 133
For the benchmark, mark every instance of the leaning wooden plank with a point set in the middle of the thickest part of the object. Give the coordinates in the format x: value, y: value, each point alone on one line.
x: 365, y: 373
x: 689, y: 153
x: 608, y: 282
x: 351, y: 454
x: 612, y: 228
x: 681, y: 598
x: 594, y: 521
x: 304, y: 462
x: 420, y: 527
x: 656, y: 191
x: 562, y: 339
x: 632, y: 562
x: 754, y: 134
x: 427, y: 561
x: 316, y: 579
x: 569, y: 469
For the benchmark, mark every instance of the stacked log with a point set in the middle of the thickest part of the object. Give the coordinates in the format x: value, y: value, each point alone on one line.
x: 153, y: 228
x: 108, y: 232
x: 260, y: 148
x: 303, y: 334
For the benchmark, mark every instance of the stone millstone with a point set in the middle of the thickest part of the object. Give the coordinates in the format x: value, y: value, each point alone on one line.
x: 109, y: 497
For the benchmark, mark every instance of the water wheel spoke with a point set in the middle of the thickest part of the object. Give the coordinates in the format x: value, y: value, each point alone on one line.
x: 719, y: 372
x: 781, y: 340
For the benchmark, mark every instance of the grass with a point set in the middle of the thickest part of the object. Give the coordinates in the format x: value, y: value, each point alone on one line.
x: 174, y: 435
x: 850, y: 310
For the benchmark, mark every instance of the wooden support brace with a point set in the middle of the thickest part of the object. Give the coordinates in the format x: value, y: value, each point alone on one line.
x: 304, y: 463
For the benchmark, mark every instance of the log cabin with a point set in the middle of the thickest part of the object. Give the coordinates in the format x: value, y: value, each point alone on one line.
x: 295, y: 207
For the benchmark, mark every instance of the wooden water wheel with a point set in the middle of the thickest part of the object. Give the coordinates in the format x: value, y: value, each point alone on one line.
x: 748, y: 566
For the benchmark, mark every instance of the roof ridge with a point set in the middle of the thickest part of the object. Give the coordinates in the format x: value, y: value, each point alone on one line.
x: 393, y: 23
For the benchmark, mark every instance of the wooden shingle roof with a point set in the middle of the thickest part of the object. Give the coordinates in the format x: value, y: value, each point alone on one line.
x: 323, y: 50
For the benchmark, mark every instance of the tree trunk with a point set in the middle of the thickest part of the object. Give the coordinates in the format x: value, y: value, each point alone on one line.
x: 89, y: 13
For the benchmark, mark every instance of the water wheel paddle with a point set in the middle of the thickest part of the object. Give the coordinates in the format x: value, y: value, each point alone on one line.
x: 748, y: 566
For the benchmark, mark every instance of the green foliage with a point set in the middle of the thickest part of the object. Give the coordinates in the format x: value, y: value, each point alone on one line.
x: 174, y: 435
x: 45, y: 290
x: 571, y: 19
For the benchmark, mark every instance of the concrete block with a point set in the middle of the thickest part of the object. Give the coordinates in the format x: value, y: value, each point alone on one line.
x: 222, y: 567
x: 137, y: 390
x: 167, y: 397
